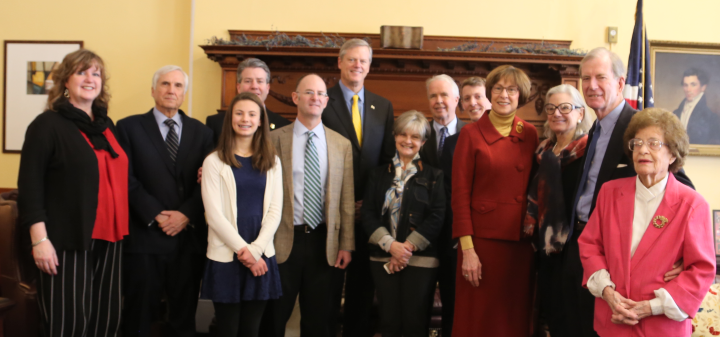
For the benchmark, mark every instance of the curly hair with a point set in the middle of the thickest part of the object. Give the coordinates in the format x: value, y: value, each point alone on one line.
x: 78, y: 60
x: 673, y: 131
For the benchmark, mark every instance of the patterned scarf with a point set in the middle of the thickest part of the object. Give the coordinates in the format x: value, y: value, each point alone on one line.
x: 546, y: 209
x: 394, y: 194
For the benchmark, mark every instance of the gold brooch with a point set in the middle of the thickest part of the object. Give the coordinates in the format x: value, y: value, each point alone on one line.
x: 272, y: 126
x: 659, y: 221
x: 519, y: 127
x: 372, y: 107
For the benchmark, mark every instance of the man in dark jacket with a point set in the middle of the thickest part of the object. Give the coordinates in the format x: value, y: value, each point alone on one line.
x: 165, y: 251
x: 700, y: 122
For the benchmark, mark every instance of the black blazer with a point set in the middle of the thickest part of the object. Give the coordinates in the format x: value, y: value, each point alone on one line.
x: 156, y: 184
x: 422, y: 209
x: 614, y: 156
x: 445, y: 242
x: 58, y: 181
x: 703, y: 125
x: 428, y: 152
x: 215, y: 123
x: 378, y: 142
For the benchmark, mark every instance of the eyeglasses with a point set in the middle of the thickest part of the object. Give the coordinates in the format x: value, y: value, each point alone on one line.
x: 310, y: 93
x: 565, y: 108
x: 652, y: 143
x: 510, y: 90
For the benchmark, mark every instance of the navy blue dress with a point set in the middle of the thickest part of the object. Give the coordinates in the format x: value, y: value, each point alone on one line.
x: 232, y: 282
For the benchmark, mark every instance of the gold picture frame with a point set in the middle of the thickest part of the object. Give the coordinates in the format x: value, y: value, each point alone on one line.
x: 670, y: 62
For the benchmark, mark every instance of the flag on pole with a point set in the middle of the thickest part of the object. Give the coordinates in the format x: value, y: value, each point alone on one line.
x: 638, y: 85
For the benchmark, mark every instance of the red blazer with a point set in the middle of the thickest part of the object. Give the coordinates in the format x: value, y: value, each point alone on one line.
x: 605, y: 244
x: 490, y: 178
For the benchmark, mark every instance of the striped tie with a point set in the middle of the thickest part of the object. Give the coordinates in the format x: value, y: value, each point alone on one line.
x: 171, y: 141
x: 312, y: 204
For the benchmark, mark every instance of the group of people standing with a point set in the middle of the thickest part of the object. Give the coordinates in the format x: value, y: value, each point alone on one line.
x: 349, y: 202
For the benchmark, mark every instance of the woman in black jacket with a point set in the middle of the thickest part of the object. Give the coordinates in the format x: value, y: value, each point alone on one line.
x: 403, y: 213
x: 73, y: 187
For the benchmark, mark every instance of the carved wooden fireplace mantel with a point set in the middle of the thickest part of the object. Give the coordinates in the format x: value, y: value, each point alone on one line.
x: 396, y: 74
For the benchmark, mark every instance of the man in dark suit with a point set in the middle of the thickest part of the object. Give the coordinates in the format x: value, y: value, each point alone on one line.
x: 444, y: 95
x: 701, y: 123
x: 165, y: 251
x: 365, y: 119
x: 473, y: 100
x: 253, y: 75
x: 603, y: 80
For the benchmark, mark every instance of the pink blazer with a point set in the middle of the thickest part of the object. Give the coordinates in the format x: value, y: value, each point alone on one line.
x: 605, y: 244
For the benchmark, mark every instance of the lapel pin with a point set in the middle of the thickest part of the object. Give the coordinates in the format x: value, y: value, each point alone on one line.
x: 372, y: 107
x: 272, y: 126
x: 519, y: 127
x: 659, y: 221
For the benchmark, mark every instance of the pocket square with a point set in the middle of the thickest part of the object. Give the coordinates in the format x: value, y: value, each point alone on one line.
x: 621, y: 165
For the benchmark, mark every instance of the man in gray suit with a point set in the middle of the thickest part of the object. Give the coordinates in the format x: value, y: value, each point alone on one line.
x: 366, y: 120
x: 316, y: 234
x: 444, y: 95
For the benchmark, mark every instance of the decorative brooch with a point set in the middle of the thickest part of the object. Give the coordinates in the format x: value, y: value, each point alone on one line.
x: 659, y: 221
x: 519, y: 127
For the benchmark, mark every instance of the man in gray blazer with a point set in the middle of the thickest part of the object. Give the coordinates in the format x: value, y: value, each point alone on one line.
x: 316, y: 234
x: 366, y: 120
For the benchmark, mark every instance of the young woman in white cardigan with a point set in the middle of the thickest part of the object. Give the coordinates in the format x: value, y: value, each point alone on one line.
x: 242, y: 193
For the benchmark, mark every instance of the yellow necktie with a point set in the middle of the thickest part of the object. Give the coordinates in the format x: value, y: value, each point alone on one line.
x: 357, y: 122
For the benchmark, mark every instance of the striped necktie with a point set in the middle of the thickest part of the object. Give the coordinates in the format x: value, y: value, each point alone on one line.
x: 171, y: 140
x: 312, y: 202
x: 441, y: 143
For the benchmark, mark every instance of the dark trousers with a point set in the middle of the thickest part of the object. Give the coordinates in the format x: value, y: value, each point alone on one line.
x: 306, y: 272
x: 359, y: 290
x: 84, y: 298
x: 238, y: 319
x: 446, y: 283
x: 148, y: 277
x: 579, y: 303
x: 404, y: 299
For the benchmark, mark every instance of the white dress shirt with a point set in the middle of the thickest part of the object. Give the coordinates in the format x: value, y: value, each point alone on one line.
x: 298, y: 166
x: 647, y: 201
x: 688, y: 109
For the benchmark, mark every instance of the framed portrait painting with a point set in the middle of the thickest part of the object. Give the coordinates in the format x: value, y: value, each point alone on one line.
x: 28, y: 77
x: 686, y: 81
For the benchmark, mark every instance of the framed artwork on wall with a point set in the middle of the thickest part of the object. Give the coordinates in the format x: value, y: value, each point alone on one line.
x: 686, y: 81
x: 28, y: 77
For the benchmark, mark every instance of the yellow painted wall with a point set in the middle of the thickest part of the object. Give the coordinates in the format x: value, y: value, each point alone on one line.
x: 136, y: 37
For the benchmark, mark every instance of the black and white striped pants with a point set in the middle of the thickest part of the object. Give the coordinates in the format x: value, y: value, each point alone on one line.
x: 84, y: 298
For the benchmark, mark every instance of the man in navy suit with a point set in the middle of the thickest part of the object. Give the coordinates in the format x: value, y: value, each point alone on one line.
x: 365, y: 119
x: 253, y: 75
x: 701, y: 123
x: 165, y: 251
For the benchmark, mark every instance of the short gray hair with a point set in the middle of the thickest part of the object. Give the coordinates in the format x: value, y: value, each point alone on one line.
x: 446, y: 78
x: 414, y: 121
x: 618, y: 68
x: 167, y: 69
x: 352, y: 43
x: 252, y: 63
x: 577, y: 100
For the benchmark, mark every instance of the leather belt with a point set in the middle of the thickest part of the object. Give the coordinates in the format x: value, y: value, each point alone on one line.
x: 307, y: 229
x: 580, y: 225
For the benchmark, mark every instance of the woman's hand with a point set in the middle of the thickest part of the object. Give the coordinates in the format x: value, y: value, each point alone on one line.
x: 642, y: 309
x: 471, y: 267
x: 621, y: 307
x: 259, y: 268
x: 246, y: 258
x: 43, y: 253
x: 400, y: 252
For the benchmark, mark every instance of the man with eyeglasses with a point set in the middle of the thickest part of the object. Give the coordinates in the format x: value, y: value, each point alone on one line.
x: 253, y: 75
x: 366, y: 120
x: 315, y: 237
x: 603, y: 80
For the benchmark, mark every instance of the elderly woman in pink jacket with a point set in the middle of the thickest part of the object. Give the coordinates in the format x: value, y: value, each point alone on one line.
x: 641, y: 226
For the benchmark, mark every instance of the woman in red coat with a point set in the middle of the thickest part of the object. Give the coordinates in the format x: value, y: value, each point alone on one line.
x: 491, y: 171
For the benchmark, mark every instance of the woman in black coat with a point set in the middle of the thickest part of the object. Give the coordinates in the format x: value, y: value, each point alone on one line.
x: 73, y: 187
x: 403, y: 212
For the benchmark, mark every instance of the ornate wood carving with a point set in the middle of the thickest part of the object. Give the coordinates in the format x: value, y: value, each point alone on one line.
x: 398, y: 75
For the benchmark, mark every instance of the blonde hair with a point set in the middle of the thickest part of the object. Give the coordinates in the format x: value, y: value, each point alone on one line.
x: 78, y: 60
